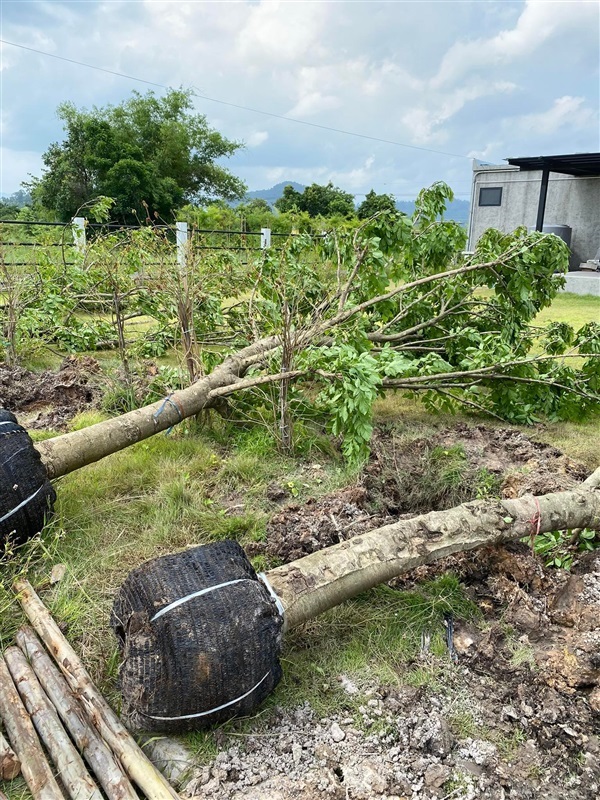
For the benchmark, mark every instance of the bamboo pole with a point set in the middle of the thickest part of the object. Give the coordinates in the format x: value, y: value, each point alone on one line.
x: 98, y: 756
x: 10, y: 766
x: 71, y: 769
x: 137, y: 766
x: 22, y: 735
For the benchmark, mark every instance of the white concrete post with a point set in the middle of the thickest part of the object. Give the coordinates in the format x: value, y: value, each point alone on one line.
x: 265, y: 238
x: 182, y: 239
x: 78, y: 224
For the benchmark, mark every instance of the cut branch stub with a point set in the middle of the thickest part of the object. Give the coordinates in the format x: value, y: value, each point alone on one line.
x: 185, y: 620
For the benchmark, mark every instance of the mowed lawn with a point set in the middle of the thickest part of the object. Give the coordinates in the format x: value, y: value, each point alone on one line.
x: 575, y: 309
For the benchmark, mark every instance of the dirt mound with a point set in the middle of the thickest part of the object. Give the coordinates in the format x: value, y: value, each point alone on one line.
x: 302, y: 529
x: 403, y: 479
x: 50, y: 399
x: 460, y: 464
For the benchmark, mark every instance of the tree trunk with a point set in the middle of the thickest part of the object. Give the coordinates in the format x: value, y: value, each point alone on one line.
x: 71, y: 451
x: 114, y: 733
x: 100, y: 759
x: 69, y: 764
x: 35, y: 768
x: 324, y: 579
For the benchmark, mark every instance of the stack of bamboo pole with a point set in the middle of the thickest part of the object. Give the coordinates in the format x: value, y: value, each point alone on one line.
x: 56, y: 719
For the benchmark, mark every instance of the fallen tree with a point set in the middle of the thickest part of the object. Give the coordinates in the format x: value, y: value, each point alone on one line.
x: 392, y: 304
x: 200, y: 632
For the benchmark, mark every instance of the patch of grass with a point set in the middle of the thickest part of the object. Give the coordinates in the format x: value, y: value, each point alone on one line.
x: 575, y: 309
x: 372, y: 637
x: 521, y: 654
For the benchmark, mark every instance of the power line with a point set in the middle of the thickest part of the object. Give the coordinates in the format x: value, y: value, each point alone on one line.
x: 236, y: 105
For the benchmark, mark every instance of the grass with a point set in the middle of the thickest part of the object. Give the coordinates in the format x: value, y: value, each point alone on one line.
x: 575, y: 309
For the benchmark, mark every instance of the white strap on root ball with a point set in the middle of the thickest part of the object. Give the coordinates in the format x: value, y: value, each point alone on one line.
x: 200, y: 636
x: 26, y: 495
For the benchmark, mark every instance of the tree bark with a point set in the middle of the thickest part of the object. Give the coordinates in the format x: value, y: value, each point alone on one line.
x: 98, y: 756
x: 69, y: 764
x: 311, y: 585
x: 10, y: 766
x: 35, y: 768
x: 136, y: 764
x: 69, y: 452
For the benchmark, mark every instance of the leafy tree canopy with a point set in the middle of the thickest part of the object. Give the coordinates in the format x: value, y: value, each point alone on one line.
x: 147, y: 151
x: 375, y: 203
x: 317, y: 201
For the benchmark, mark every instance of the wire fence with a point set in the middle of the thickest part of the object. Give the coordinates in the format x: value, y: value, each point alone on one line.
x: 15, y: 251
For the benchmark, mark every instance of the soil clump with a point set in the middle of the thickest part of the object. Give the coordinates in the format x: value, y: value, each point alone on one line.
x: 51, y: 398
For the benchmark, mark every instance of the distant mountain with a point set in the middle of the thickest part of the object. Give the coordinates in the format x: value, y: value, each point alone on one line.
x: 457, y: 210
x: 274, y: 193
x: 19, y: 198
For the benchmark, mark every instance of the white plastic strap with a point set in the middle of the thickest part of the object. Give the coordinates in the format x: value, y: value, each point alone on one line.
x: 213, y: 710
x: 24, y: 503
x: 189, y: 597
x: 9, y: 422
x: 14, y: 455
x: 263, y: 578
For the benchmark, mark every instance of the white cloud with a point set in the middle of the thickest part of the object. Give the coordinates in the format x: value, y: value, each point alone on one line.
x: 565, y: 112
x: 425, y: 124
x: 256, y: 138
x: 281, y: 32
x: 539, y: 21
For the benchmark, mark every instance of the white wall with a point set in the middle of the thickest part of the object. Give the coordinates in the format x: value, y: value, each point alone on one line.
x: 571, y: 201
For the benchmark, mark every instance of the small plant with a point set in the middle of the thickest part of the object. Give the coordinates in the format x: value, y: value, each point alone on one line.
x: 558, y: 549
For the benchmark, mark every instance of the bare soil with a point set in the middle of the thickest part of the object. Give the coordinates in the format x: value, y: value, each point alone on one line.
x: 51, y: 398
x: 399, y: 482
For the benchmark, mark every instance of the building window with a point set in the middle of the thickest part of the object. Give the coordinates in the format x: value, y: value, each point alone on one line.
x: 490, y: 196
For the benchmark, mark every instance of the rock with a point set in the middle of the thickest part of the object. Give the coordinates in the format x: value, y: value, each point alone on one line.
x: 275, y: 492
x: 469, y: 766
x: 364, y: 780
x: 594, y: 699
x: 436, y: 775
x: 337, y: 734
x: 325, y: 755
x: 434, y: 735
x: 296, y: 753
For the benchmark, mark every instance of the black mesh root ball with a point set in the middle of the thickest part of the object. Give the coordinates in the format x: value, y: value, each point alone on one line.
x: 26, y: 494
x: 200, y: 637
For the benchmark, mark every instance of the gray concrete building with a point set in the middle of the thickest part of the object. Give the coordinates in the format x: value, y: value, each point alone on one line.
x: 557, y: 194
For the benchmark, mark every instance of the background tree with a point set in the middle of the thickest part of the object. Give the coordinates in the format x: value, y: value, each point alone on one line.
x: 375, y: 203
x: 317, y: 201
x: 148, y: 149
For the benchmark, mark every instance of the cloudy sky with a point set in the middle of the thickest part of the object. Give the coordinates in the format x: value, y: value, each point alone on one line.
x: 442, y: 82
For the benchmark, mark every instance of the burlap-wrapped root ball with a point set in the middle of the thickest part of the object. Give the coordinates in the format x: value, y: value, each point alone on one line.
x: 200, y: 637
x: 26, y: 494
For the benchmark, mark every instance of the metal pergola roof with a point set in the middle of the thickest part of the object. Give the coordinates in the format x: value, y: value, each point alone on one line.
x: 583, y: 165
x: 580, y: 165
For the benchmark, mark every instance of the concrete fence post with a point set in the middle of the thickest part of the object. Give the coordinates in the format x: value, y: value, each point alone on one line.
x: 265, y: 238
x: 182, y: 240
x: 78, y: 224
